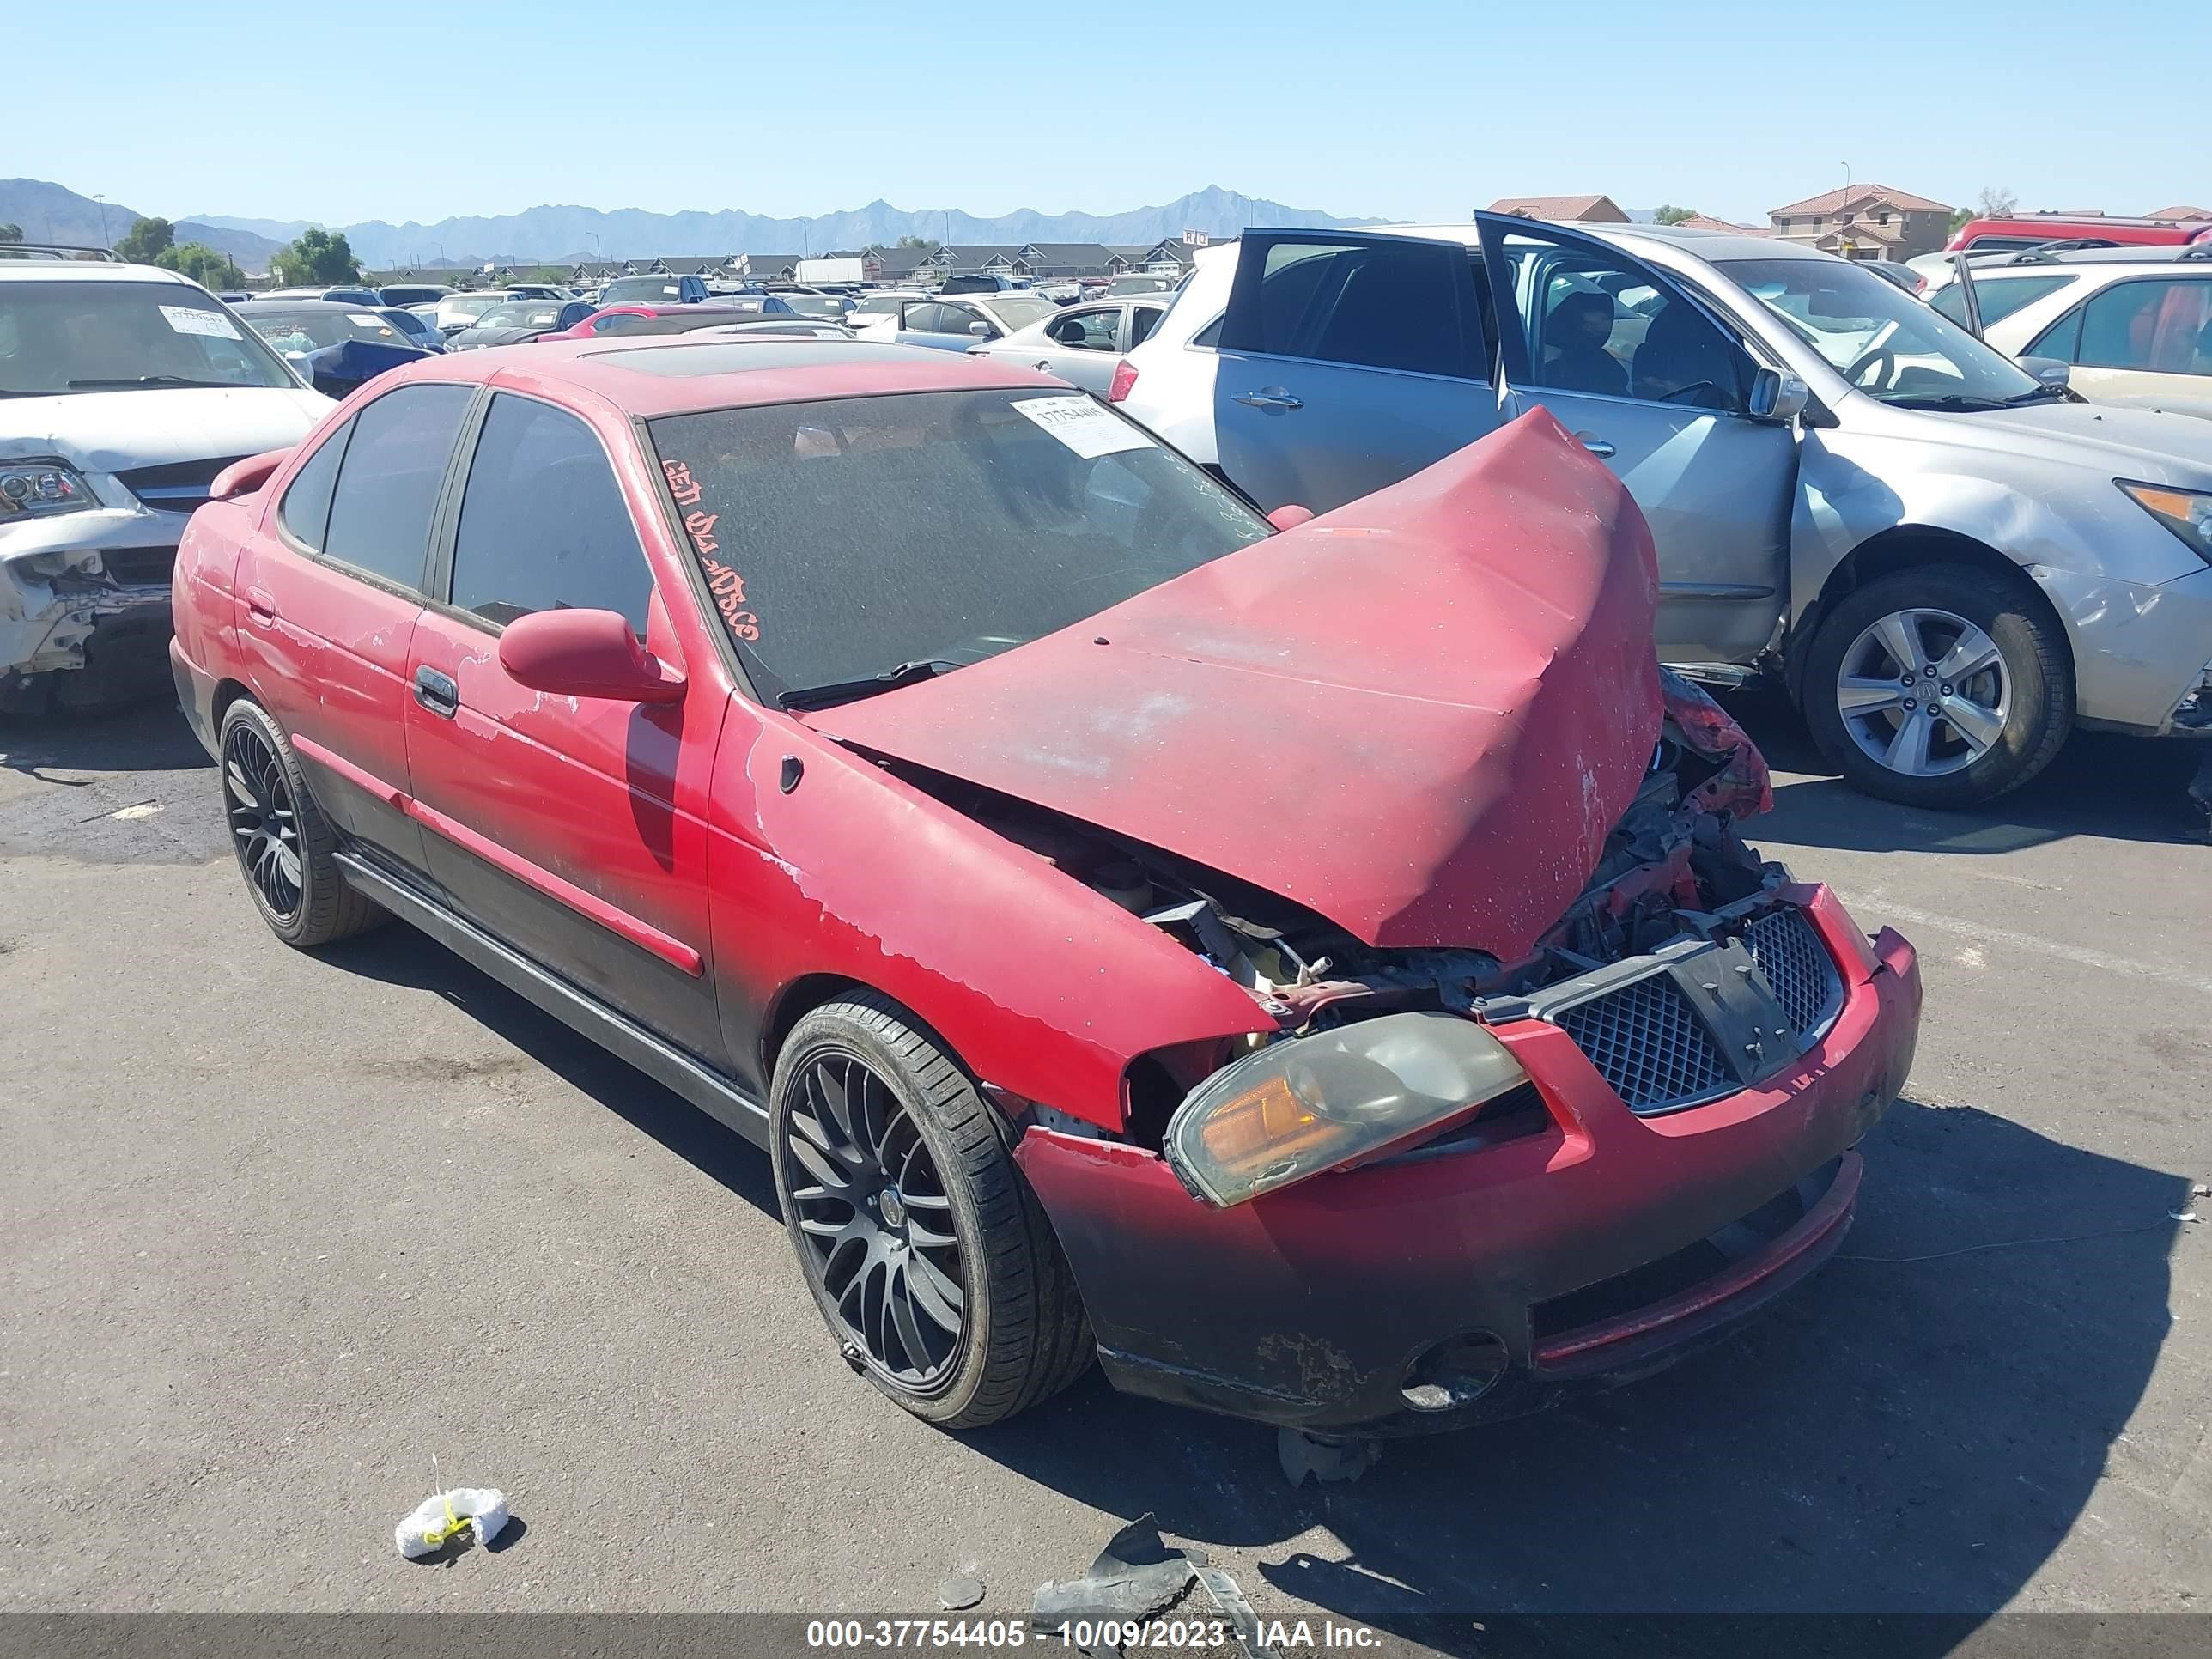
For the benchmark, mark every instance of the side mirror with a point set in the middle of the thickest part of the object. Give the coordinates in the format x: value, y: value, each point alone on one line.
x: 2049, y: 370
x: 1778, y: 397
x: 585, y: 653
x: 980, y: 330
x: 1289, y: 516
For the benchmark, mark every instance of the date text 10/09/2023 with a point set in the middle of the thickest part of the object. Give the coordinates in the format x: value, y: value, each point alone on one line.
x: 1158, y: 1635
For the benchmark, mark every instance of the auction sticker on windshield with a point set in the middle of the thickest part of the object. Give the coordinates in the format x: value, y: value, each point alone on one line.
x: 1084, y: 426
x: 186, y: 320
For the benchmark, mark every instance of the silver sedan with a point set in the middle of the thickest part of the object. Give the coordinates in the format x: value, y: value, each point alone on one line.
x: 1084, y: 343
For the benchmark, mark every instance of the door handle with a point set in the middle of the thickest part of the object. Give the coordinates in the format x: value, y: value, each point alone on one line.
x: 261, y: 605
x: 1269, y: 397
x: 437, y: 692
x: 1601, y: 447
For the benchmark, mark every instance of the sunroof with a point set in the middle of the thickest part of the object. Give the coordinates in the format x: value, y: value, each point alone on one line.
x: 736, y: 357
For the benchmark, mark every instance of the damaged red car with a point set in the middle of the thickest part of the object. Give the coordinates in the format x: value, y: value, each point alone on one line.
x: 1316, y: 972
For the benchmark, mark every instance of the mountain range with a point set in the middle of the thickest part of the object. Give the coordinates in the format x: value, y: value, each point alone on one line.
x: 48, y: 212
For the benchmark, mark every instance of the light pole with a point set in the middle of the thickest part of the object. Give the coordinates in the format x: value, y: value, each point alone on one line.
x: 105, y: 241
x: 596, y: 253
x: 805, y: 237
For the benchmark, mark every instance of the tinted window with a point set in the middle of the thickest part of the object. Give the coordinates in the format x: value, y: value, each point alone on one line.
x: 544, y: 527
x: 1391, y: 305
x: 1143, y: 320
x: 388, y: 486
x: 2061, y: 340
x: 928, y: 317
x: 840, y: 539
x: 305, y: 511
x: 2158, y: 326
x: 1997, y: 296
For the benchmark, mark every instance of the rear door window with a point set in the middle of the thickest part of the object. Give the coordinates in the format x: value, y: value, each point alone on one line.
x: 388, y: 483
x: 1393, y: 303
x: 305, y: 511
x: 2160, y: 326
x: 1997, y: 296
x: 544, y: 523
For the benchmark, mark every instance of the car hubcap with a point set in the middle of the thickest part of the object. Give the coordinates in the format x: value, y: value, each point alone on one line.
x: 877, y: 1226
x: 1923, y: 692
x: 263, y: 822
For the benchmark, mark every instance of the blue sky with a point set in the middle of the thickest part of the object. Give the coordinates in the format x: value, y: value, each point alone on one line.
x: 1401, y: 108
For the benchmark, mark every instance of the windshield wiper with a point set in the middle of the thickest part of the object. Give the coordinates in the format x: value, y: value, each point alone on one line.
x: 1959, y: 400
x: 2034, y: 394
x: 821, y: 696
x: 148, y: 380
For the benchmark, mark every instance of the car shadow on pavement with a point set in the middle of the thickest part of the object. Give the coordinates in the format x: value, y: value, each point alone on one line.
x: 149, y: 736
x: 1913, y: 1431
x: 398, y: 955
x: 2101, y: 784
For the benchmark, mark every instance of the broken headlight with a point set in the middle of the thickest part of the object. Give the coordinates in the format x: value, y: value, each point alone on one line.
x: 1298, y: 1107
x: 2186, y: 512
x: 35, y: 489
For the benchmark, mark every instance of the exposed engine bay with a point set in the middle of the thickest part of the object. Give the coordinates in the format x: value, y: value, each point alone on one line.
x: 1672, y: 860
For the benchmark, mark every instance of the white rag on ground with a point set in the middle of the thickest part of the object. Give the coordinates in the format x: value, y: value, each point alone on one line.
x: 444, y: 1514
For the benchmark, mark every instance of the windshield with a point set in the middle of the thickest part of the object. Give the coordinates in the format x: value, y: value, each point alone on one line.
x: 826, y: 306
x: 641, y: 287
x: 842, y: 539
x: 307, y: 330
x: 471, y: 305
x: 101, y: 336
x: 1020, y: 314
x: 1881, y: 339
x: 528, y: 313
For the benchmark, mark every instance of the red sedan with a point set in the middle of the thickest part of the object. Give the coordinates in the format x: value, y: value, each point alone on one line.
x: 1317, y: 972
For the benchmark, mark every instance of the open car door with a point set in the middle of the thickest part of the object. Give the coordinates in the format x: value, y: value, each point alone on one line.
x: 1348, y: 362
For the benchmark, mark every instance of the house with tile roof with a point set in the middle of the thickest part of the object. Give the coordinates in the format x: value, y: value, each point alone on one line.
x: 1706, y: 222
x: 1588, y: 209
x: 1865, y: 221
x: 2184, y: 214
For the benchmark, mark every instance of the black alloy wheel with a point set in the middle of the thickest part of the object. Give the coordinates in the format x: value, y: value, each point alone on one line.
x: 264, y: 823
x: 872, y: 1210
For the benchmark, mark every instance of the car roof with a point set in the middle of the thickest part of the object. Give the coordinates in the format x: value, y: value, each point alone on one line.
x: 675, y: 375
x: 1705, y: 244
x: 88, y: 270
x: 2189, y: 256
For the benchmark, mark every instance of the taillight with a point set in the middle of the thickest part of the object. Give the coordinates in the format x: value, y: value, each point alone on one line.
x: 1125, y: 380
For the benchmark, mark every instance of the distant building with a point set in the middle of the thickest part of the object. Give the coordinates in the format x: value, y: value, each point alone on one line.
x: 2185, y: 215
x: 1865, y: 221
x: 1586, y: 210
x: 1706, y: 222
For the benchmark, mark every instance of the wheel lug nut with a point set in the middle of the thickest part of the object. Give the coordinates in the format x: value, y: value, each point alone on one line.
x: 1946, y: 691
x: 1909, y: 705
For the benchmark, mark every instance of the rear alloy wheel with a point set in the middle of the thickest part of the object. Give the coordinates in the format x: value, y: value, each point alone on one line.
x: 926, y: 1253
x: 1938, y: 687
x: 286, y: 849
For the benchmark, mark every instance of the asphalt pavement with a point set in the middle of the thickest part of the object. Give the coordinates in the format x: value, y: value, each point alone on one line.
x: 280, y: 1229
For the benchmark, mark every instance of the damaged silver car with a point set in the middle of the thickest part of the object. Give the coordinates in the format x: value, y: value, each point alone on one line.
x: 124, y: 390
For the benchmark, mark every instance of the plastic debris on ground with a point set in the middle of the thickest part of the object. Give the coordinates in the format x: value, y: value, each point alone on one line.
x: 963, y: 1589
x: 1137, y: 1576
x: 1302, y: 1454
x: 444, y: 1517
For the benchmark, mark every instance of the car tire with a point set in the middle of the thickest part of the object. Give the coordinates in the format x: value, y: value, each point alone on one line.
x: 881, y: 1141
x: 1974, y: 737
x: 286, y: 849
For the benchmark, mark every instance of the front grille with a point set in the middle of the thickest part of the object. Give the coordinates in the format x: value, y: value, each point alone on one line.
x: 1648, y: 1044
x: 139, y: 567
x: 177, y: 486
x: 1797, y: 969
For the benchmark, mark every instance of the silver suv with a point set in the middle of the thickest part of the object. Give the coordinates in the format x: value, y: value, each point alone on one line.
x: 1950, y: 560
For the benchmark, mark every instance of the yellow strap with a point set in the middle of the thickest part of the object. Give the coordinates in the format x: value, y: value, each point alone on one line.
x: 437, y: 1536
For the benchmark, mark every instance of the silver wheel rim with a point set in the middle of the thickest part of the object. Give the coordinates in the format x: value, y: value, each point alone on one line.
x: 1923, y: 692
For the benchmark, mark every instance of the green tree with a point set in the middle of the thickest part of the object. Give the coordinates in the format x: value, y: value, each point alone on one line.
x: 203, y: 265
x: 915, y: 241
x: 11, y: 233
x: 1674, y: 216
x: 317, y: 257
x: 146, y: 240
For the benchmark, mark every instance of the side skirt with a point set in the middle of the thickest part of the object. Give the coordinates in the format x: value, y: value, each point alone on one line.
x: 707, y: 1090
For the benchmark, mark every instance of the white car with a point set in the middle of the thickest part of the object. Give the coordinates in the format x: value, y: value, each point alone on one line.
x: 954, y: 322
x: 459, y: 311
x: 1948, y: 560
x: 1083, y: 343
x: 2133, y: 324
x: 124, y: 390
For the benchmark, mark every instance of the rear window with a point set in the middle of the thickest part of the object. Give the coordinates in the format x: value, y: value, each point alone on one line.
x: 840, y: 539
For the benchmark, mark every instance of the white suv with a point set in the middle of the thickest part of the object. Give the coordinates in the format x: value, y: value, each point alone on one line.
x: 2134, y: 325
x: 124, y: 390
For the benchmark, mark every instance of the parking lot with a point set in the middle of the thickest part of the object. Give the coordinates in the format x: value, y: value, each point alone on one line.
x: 282, y: 1228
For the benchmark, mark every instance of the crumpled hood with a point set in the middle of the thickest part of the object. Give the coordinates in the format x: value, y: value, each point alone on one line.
x: 118, y: 431
x: 1418, y: 716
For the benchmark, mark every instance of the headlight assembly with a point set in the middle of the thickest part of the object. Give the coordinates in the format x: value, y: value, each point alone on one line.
x: 2186, y: 512
x: 38, y: 488
x: 1311, y: 1103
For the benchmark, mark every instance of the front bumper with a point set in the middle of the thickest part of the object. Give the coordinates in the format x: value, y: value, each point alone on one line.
x: 1574, y: 1251
x: 86, y: 590
x: 2141, y: 651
